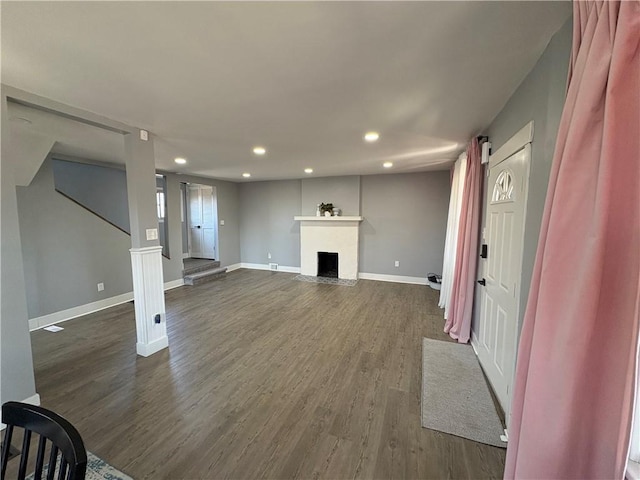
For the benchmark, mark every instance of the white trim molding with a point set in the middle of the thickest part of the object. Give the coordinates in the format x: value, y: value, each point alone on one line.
x: 81, y: 310
x: 173, y: 284
x: 328, y: 219
x: 265, y: 266
x: 146, y: 269
x: 147, y: 349
x: 33, y: 400
x: 380, y: 277
x: 234, y: 266
x: 514, y: 144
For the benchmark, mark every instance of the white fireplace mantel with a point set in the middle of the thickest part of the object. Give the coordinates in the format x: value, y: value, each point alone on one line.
x: 329, y: 234
x: 328, y: 219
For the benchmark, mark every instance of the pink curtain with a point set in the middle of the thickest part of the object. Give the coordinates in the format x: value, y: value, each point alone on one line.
x: 458, y: 325
x: 575, y: 378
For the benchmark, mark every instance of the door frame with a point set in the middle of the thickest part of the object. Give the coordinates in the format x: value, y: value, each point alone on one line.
x: 523, y: 139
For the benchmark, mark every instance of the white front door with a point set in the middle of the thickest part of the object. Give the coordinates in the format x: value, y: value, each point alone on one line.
x: 202, y: 221
x: 501, y: 271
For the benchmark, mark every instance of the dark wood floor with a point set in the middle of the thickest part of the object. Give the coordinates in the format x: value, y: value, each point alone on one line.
x: 265, y: 377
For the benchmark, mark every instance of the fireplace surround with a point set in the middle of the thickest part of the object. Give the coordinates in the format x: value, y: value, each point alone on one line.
x: 339, y: 235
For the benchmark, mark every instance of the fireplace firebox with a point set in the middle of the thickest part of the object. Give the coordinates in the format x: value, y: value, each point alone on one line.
x: 328, y: 264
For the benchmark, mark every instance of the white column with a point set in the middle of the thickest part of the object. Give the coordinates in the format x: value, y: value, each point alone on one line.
x: 146, y: 252
x: 151, y: 327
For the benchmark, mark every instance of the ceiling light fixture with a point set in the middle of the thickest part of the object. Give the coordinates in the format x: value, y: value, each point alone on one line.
x: 259, y: 150
x: 371, y: 136
x: 246, y: 174
x: 308, y: 170
x: 180, y: 161
x: 387, y: 164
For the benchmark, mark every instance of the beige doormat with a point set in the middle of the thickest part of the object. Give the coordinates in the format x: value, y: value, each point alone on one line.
x: 455, y: 395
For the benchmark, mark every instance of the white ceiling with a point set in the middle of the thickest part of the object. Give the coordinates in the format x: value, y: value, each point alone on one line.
x: 305, y: 80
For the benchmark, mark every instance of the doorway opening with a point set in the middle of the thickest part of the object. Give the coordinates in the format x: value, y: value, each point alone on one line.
x: 200, y: 222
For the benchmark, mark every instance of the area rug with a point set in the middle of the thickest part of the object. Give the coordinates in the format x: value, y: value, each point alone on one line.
x: 97, y: 469
x: 455, y: 395
x: 330, y: 281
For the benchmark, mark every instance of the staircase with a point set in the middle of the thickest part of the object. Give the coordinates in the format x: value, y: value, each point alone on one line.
x: 197, y: 271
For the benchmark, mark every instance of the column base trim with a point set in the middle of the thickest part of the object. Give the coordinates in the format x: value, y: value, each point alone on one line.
x: 148, y: 349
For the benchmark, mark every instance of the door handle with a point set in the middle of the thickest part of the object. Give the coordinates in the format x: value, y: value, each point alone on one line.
x: 198, y: 226
x: 482, y: 282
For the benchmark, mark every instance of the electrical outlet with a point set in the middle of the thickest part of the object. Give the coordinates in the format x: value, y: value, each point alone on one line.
x: 269, y: 255
x: 100, y: 286
x: 397, y: 263
x: 222, y: 223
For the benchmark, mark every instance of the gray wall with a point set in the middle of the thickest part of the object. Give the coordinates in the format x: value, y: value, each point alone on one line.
x: 67, y: 250
x: 267, y: 225
x: 540, y: 97
x: 343, y: 192
x: 95, y: 187
x: 405, y: 219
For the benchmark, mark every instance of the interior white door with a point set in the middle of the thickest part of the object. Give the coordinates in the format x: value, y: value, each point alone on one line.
x: 209, y: 222
x: 202, y: 221
x: 504, y: 236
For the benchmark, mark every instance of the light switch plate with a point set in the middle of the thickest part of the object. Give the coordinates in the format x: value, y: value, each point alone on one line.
x: 152, y: 233
x: 144, y: 135
x: 221, y: 222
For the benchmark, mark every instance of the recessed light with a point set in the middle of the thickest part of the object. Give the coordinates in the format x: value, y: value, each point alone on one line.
x: 259, y: 150
x: 371, y: 136
x: 181, y: 161
x: 308, y: 170
x: 246, y: 174
x: 387, y: 164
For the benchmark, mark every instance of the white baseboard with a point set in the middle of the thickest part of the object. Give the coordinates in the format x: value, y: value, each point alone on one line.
x: 393, y: 278
x: 474, y: 342
x: 185, y: 255
x: 79, y: 311
x: 174, y: 284
x: 32, y: 400
x: 234, y: 266
x: 265, y: 266
x: 147, y: 349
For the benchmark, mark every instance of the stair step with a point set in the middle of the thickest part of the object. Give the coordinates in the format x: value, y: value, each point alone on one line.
x: 205, y: 276
x: 200, y: 267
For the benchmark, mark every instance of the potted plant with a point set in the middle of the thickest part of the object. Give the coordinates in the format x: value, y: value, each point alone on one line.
x: 326, y: 207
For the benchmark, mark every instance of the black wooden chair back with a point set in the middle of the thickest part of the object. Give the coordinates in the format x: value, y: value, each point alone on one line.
x: 50, y: 426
